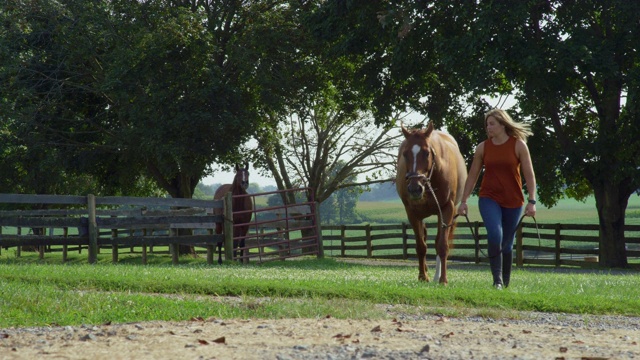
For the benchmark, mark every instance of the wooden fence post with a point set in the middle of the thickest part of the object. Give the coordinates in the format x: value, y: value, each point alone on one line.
x: 93, y: 229
x: 343, y: 233
x: 558, y: 237
x: 210, y: 249
x: 174, y: 247
x: 405, y: 237
x: 19, y: 248
x: 228, y: 226
x: 65, y: 249
x: 114, y: 247
x: 369, y: 246
x: 144, y: 248
x: 476, y: 241
x: 316, y: 206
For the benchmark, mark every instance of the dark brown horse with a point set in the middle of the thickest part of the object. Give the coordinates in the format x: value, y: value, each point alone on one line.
x: 241, y: 208
x: 430, y: 180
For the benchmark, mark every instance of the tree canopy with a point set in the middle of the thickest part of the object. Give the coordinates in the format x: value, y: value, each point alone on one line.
x: 125, y: 90
x: 573, y: 67
x: 132, y: 96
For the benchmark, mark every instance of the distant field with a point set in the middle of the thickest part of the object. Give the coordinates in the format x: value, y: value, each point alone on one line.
x: 566, y: 211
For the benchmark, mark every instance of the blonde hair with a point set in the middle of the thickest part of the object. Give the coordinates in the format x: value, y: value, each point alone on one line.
x: 519, y: 130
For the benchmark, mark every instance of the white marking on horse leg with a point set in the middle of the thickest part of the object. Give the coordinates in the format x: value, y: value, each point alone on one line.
x: 436, y: 277
x: 415, y: 150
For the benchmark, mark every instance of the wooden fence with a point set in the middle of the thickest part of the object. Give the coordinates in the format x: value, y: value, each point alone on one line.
x: 76, y: 222
x: 557, y: 244
x: 73, y: 223
x: 97, y: 222
x: 283, y: 231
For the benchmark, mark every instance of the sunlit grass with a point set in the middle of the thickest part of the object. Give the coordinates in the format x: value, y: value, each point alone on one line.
x: 41, y: 294
x: 567, y: 211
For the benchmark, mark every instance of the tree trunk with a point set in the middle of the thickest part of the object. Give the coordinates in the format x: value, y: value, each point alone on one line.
x: 182, y: 187
x: 611, y: 203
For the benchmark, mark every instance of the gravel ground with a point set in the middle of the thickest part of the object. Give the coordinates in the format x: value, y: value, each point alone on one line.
x: 404, y: 336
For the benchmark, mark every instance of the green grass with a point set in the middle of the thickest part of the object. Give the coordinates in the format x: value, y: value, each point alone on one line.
x: 41, y: 292
x: 567, y: 211
x: 36, y: 292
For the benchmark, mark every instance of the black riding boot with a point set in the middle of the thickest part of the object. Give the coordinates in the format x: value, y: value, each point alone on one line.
x: 507, y: 261
x: 496, y: 270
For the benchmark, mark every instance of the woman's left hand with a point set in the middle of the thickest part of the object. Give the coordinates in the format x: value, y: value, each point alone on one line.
x: 530, y: 210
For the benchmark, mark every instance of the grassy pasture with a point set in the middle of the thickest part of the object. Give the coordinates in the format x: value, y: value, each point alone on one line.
x: 36, y: 292
x: 39, y: 293
x: 567, y: 211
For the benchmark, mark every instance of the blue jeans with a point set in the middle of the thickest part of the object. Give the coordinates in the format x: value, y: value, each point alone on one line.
x: 501, y: 224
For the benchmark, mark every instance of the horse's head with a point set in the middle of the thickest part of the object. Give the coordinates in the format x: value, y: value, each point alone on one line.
x: 419, y: 158
x: 242, y: 176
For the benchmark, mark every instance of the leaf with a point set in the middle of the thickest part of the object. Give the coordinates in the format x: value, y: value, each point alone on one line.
x: 376, y: 329
x: 220, y: 340
x: 442, y: 319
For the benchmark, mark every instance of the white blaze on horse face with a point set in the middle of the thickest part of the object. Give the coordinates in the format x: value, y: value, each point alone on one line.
x: 415, y: 150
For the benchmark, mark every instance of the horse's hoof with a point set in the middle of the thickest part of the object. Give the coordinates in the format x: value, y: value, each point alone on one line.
x: 497, y: 286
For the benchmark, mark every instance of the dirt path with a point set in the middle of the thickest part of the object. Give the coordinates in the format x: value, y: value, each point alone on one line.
x: 430, y: 337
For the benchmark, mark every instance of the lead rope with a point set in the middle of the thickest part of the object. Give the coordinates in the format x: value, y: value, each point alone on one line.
x: 476, y: 237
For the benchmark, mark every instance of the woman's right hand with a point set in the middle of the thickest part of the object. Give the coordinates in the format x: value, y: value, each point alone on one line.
x: 463, y: 208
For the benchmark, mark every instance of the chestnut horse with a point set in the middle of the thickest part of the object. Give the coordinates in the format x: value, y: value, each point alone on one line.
x: 241, y: 206
x: 430, y: 179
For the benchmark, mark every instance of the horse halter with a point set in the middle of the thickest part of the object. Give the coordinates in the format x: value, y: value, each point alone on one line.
x: 422, y: 177
x: 427, y: 179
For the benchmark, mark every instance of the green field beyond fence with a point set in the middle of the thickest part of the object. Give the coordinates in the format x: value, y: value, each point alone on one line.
x: 565, y: 235
x: 568, y: 236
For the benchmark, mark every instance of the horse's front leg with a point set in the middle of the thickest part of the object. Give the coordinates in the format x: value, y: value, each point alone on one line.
x: 420, y: 233
x: 445, y: 231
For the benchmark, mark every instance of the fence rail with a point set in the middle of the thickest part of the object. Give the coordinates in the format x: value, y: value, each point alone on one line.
x: 70, y: 223
x: 279, y: 232
x: 109, y: 222
x: 557, y: 244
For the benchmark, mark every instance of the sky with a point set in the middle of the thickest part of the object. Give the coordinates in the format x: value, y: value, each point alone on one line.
x: 226, y: 177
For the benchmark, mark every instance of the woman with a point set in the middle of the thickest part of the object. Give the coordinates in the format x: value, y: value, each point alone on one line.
x: 502, y: 155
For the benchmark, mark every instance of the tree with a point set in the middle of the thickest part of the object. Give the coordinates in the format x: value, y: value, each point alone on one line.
x: 316, y: 131
x: 127, y: 90
x: 576, y: 69
x: 175, y: 93
x: 340, y: 206
x: 47, y: 64
x: 571, y: 65
x: 327, y: 149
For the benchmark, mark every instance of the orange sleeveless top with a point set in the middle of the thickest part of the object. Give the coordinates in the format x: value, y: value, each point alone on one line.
x: 501, y: 181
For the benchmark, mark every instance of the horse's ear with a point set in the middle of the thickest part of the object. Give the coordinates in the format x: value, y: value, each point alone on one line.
x: 237, y: 167
x: 404, y: 130
x: 429, y: 129
x: 246, y: 165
